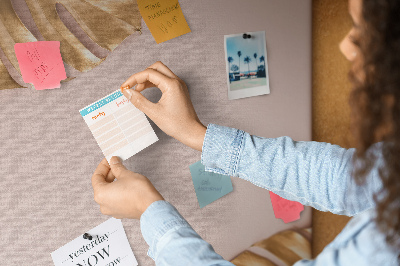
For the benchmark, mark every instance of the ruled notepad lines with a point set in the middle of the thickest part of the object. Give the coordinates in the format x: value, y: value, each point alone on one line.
x: 118, y: 126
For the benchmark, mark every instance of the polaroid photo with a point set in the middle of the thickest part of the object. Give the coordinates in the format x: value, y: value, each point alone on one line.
x: 246, y: 64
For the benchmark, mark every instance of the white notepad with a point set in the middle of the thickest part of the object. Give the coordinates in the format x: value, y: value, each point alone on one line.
x: 119, y: 128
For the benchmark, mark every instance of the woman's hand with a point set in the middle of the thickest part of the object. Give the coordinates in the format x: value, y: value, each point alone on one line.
x: 173, y: 113
x: 127, y: 197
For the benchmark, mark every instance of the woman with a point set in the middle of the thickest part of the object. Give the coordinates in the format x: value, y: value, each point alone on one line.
x: 317, y: 174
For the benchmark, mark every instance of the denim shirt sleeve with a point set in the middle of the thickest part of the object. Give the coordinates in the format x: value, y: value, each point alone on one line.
x: 312, y: 173
x: 172, y: 241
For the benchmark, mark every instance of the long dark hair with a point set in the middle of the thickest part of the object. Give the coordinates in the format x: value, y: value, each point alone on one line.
x: 375, y: 101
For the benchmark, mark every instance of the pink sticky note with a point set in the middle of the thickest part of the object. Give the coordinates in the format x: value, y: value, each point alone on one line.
x: 284, y: 209
x: 41, y: 64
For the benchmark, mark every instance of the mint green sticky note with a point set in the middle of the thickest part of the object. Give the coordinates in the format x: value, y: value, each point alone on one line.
x: 209, y: 186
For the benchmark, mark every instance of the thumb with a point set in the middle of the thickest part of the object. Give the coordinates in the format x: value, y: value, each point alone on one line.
x: 117, y: 167
x: 138, y: 100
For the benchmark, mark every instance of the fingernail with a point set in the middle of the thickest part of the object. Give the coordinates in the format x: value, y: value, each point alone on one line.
x: 128, y: 93
x: 115, y: 160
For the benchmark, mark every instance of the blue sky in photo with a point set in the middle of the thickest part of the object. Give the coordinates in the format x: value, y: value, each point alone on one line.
x: 248, y: 47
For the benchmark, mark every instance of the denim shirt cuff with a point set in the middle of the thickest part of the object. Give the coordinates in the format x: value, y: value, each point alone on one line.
x: 222, y: 148
x: 158, y: 219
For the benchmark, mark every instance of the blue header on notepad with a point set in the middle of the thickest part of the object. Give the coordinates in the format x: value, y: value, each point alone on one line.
x: 100, y: 103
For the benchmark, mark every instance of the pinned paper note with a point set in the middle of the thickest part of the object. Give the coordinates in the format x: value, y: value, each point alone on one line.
x: 209, y: 186
x: 164, y: 18
x: 118, y: 126
x: 108, y: 246
x: 41, y: 64
x: 287, y: 210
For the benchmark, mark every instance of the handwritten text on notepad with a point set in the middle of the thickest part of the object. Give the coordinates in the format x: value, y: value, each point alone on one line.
x: 119, y: 128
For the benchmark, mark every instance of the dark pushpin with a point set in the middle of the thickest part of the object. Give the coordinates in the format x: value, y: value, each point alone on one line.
x: 246, y: 36
x: 87, y: 236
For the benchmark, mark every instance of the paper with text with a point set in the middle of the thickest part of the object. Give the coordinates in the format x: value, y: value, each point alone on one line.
x: 209, y: 186
x: 108, y: 247
x: 41, y: 63
x: 119, y: 128
x: 164, y: 18
x: 287, y: 210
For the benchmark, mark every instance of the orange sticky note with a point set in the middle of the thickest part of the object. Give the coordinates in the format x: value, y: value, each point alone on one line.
x: 284, y: 209
x: 41, y: 63
x: 164, y: 19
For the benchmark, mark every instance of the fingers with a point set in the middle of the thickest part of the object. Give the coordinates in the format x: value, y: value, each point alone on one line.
x: 157, y: 75
x: 100, y: 174
x: 160, y: 80
x: 140, y: 102
x: 117, y: 167
x: 110, y: 177
x: 142, y: 86
x: 160, y: 67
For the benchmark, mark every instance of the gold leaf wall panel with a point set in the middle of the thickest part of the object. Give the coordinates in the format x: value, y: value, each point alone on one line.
x: 283, y: 248
x: 106, y: 22
x: 51, y: 27
x: 119, y: 10
x: 6, y: 81
x: 18, y: 33
x: 108, y: 35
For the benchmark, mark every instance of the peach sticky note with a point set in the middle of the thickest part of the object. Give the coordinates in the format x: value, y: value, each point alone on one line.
x: 164, y: 18
x: 284, y: 209
x: 41, y: 64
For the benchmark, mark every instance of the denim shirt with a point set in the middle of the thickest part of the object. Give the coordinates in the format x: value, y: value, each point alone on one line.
x: 312, y: 173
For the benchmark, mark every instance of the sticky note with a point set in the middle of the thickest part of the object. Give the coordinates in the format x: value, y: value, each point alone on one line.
x: 109, y: 246
x: 209, y: 186
x: 119, y: 128
x: 164, y: 18
x: 288, y: 211
x: 41, y: 63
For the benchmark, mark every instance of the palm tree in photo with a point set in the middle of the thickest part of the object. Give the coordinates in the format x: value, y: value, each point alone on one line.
x: 234, y: 68
x: 262, y: 59
x: 239, y: 54
x: 230, y: 60
x: 247, y: 60
x: 255, y: 58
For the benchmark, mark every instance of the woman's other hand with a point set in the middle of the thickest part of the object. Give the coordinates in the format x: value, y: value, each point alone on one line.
x: 127, y: 197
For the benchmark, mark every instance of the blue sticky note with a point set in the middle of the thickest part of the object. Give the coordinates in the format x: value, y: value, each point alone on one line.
x: 209, y: 186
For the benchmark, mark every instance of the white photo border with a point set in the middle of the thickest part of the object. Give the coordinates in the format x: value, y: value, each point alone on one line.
x: 248, y: 92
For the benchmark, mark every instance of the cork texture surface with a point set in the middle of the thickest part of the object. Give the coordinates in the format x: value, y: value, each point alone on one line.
x: 331, y: 89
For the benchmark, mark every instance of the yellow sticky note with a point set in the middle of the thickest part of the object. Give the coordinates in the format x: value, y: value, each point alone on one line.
x: 164, y: 19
